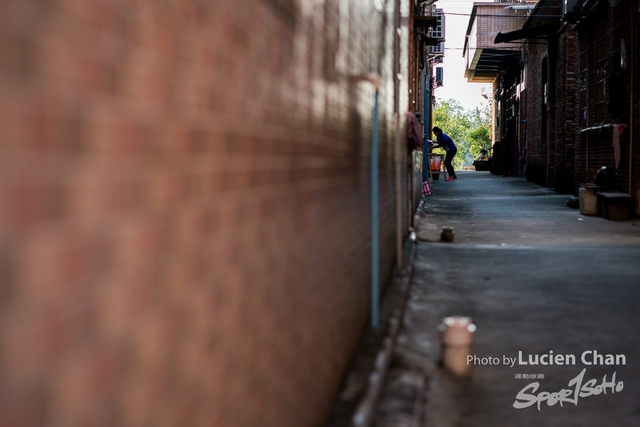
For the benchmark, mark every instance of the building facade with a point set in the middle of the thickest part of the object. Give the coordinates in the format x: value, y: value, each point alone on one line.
x: 608, y: 90
x: 569, y: 105
x: 185, y: 225
x: 498, y: 64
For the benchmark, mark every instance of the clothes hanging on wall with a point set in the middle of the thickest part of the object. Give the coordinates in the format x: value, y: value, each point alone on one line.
x: 617, y: 131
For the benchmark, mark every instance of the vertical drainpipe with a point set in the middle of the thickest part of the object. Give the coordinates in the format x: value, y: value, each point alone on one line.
x: 633, y: 98
x: 586, y: 119
x: 398, y: 142
x: 375, y: 257
x: 427, y: 102
x: 374, y: 78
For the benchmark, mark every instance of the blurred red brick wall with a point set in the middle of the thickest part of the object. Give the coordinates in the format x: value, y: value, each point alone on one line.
x: 184, y: 225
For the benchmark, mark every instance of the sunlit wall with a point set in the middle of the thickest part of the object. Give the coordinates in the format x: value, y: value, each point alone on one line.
x: 184, y: 215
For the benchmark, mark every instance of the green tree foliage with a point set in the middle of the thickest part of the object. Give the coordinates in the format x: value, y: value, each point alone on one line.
x: 469, y: 129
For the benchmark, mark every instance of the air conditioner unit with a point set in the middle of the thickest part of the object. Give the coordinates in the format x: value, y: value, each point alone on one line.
x: 439, y: 76
x: 437, y: 32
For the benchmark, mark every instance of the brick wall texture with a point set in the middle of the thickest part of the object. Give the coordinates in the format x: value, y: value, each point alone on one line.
x: 577, y: 140
x: 551, y: 147
x: 184, y: 226
x: 536, y: 145
x: 593, y: 149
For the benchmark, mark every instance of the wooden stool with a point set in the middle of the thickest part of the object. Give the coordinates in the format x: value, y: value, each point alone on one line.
x: 615, y: 206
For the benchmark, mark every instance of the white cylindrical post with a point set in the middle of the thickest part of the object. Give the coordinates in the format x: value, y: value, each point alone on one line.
x: 456, y: 340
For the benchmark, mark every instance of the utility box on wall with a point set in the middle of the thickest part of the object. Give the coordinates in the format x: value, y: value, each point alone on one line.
x: 438, y: 32
x: 439, y: 76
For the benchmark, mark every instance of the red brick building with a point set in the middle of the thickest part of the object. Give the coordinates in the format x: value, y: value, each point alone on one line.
x: 184, y: 227
x: 574, y: 86
x: 608, y: 61
x: 499, y: 64
x: 548, y: 75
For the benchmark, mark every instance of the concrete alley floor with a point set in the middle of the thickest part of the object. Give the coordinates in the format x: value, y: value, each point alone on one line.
x: 536, y: 276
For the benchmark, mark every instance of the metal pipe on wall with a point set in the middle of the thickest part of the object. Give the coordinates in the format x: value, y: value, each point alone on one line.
x: 375, y: 256
x: 398, y: 142
x: 586, y: 119
x: 632, y: 118
x: 425, y: 144
x: 374, y: 79
x: 399, y: 233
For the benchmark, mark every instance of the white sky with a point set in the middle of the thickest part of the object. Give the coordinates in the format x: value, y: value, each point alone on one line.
x: 455, y: 86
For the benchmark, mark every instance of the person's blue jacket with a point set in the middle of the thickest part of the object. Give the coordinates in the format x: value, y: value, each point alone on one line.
x: 445, y: 142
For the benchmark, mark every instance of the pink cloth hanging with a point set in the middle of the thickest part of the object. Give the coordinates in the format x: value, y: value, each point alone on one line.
x: 414, y: 132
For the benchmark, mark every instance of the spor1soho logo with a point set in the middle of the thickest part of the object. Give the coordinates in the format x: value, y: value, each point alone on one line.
x: 577, y: 387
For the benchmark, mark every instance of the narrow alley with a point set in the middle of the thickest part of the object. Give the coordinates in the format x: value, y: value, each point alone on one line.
x: 207, y: 212
x: 536, y: 277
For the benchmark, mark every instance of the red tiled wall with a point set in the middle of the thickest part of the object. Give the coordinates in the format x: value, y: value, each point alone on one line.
x: 184, y: 227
